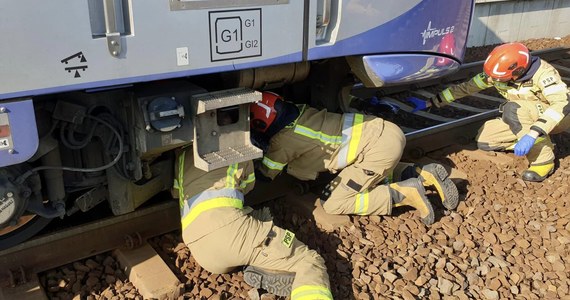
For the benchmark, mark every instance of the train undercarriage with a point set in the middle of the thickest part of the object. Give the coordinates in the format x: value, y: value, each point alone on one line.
x: 116, y: 146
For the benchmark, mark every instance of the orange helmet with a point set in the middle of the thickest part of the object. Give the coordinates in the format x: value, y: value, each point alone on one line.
x: 446, y: 46
x: 507, y: 62
x: 263, y: 113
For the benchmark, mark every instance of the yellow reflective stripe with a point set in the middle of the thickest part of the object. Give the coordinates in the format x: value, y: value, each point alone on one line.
x: 355, y: 139
x: 317, y: 135
x: 313, y: 296
x: 311, y: 292
x: 351, y: 133
x: 230, y: 176
x: 181, y: 179
x: 479, y: 80
x: 210, y: 204
x: 273, y: 165
x: 447, y: 96
x: 361, y: 203
x: 250, y: 178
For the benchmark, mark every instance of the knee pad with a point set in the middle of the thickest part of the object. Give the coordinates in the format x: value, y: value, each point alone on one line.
x: 510, y: 116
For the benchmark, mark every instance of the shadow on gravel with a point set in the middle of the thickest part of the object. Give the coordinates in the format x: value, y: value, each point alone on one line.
x: 561, y: 148
x: 326, y: 244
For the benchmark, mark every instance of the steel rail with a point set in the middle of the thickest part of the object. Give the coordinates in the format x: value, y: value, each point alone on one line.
x: 461, y: 131
x: 59, y: 248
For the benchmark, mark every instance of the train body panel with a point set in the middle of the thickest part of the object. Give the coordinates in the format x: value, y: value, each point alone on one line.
x: 72, y: 51
x: 67, y: 53
x: 367, y: 27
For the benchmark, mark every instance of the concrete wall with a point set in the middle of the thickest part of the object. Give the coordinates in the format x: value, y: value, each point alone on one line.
x: 498, y: 21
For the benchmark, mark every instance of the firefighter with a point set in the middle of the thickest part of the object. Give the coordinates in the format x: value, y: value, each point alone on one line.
x: 223, y: 234
x: 537, y: 106
x: 363, y: 149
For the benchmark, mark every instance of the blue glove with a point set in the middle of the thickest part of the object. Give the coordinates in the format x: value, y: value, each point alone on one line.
x: 524, y: 145
x: 383, y: 103
x: 419, y: 104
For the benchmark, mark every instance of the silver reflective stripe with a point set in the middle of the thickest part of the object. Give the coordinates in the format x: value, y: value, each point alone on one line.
x: 210, y: 194
x: 345, y: 142
x: 273, y: 165
x: 317, y: 135
x: 361, y: 204
x: 554, y: 89
x: 554, y: 115
x: 479, y: 80
x: 311, y: 292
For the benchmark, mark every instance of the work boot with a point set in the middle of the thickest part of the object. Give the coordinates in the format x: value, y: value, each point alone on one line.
x: 411, y: 192
x: 276, y: 282
x: 538, y: 173
x: 435, y: 176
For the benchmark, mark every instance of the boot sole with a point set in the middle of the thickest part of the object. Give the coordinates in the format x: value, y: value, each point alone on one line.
x: 277, y: 284
x: 444, y: 186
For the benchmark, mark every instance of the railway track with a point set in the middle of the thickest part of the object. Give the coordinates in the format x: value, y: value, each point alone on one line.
x: 459, y: 121
x: 22, y: 263
x: 426, y: 132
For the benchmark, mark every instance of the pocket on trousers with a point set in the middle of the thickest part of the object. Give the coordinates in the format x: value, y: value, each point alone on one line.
x: 278, y: 244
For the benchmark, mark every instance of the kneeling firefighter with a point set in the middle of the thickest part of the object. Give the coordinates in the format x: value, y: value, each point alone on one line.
x: 364, y: 150
x: 537, y: 106
x: 223, y: 234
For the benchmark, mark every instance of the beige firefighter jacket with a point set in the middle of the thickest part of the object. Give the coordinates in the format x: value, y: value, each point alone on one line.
x: 317, y: 141
x: 209, y: 195
x: 546, y: 88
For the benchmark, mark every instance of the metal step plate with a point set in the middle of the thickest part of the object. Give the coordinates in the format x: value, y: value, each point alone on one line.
x: 221, y: 128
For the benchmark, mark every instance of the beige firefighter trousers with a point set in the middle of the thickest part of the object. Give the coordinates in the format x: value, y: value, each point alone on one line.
x: 239, y: 243
x: 497, y: 134
x: 246, y: 241
x: 355, y: 190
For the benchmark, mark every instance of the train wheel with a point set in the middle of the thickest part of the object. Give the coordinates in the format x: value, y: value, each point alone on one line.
x: 28, y: 226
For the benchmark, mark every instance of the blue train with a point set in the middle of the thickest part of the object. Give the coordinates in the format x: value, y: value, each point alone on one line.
x: 96, y: 95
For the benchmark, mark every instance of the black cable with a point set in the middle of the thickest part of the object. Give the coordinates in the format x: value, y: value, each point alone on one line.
x: 74, y: 145
x: 120, y: 167
x: 86, y: 140
x: 24, y: 176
